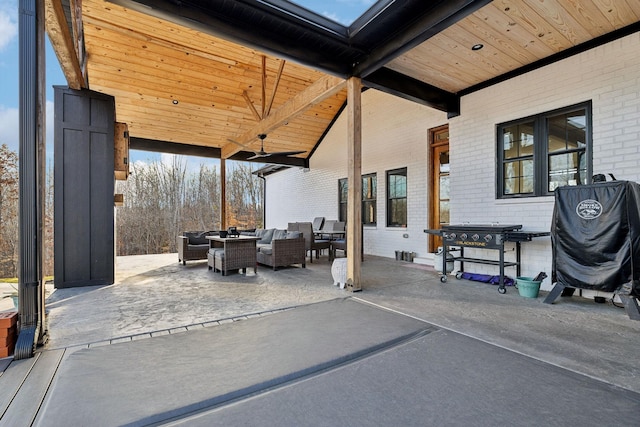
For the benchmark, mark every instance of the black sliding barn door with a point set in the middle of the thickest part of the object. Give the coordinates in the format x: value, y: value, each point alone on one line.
x: 83, y: 188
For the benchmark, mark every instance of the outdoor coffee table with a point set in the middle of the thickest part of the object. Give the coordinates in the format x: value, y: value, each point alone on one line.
x: 232, y: 253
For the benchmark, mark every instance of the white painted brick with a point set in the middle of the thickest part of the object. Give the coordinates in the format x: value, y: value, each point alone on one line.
x: 395, y: 135
x: 615, y: 106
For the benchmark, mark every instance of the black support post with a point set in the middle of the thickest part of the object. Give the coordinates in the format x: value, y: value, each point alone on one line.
x: 32, y: 177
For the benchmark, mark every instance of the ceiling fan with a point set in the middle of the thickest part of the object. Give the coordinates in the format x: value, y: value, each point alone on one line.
x: 262, y: 153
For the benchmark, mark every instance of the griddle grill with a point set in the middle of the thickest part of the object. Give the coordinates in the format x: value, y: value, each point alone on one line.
x: 482, y: 236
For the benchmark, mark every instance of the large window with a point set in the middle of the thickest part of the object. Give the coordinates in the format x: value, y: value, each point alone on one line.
x: 397, y: 198
x: 369, y: 198
x: 538, y: 154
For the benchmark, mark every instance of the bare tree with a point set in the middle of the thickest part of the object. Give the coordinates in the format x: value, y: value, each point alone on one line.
x: 245, y: 192
x: 8, y: 212
x: 48, y: 223
x: 153, y: 197
x: 201, y: 209
x: 161, y: 200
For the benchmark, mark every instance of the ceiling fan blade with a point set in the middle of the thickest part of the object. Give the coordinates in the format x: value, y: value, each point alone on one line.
x: 286, y: 153
x: 277, y: 153
x: 261, y: 154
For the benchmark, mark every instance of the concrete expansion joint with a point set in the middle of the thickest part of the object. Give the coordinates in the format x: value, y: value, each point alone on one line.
x: 176, y: 330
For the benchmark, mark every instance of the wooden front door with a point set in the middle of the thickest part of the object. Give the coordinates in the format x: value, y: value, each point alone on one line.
x: 439, y: 194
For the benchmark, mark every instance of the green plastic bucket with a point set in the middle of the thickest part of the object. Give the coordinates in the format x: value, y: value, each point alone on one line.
x: 527, y: 287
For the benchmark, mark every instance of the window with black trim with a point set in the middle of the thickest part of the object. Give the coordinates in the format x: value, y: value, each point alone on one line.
x: 369, y: 199
x: 397, y: 198
x: 343, y: 188
x: 537, y: 154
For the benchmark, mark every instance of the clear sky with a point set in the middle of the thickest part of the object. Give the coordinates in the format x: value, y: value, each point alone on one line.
x: 9, y: 72
x: 9, y: 90
x: 342, y: 11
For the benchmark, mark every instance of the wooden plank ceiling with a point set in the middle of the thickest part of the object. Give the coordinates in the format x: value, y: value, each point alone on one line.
x: 514, y: 34
x: 178, y: 83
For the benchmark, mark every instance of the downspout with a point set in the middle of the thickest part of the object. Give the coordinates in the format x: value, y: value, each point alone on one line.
x: 31, y: 175
x: 264, y: 200
x: 223, y: 194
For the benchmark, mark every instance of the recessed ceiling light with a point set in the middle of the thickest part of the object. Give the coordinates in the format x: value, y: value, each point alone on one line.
x: 175, y: 102
x: 477, y: 46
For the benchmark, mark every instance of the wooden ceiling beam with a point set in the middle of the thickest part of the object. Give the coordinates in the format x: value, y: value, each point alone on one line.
x: 313, y: 95
x: 63, y: 44
x: 392, y: 82
x: 263, y: 87
x: 275, y: 87
x: 252, y: 107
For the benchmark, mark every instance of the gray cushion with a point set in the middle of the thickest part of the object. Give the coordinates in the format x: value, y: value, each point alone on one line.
x: 197, y: 237
x: 219, y: 254
x: 260, y: 232
x: 267, y: 236
x: 293, y: 234
x: 266, y: 250
x: 197, y: 247
x: 279, y: 234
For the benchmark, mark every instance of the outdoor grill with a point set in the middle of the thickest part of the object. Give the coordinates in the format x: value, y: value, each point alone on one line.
x: 595, y: 236
x: 482, y: 236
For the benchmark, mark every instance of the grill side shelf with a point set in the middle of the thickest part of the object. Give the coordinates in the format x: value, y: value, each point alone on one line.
x: 484, y: 261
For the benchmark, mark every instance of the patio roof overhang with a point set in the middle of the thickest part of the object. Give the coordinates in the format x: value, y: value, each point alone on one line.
x: 205, y: 78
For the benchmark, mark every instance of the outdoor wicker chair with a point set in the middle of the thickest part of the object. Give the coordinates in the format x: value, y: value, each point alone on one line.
x: 311, y: 244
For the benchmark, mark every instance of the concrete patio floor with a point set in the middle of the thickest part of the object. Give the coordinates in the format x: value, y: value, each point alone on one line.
x: 156, y: 296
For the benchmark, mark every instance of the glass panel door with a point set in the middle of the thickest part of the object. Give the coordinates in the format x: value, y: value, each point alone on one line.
x: 439, y: 189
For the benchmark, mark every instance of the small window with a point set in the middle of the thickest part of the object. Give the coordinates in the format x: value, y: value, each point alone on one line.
x: 538, y: 154
x: 397, y: 198
x: 342, y: 194
x: 369, y: 199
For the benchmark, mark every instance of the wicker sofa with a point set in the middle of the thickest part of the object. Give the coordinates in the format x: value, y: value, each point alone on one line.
x: 279, y: 248
x: 193, y: 245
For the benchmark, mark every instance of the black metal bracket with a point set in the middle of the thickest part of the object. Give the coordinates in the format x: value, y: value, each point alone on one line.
x: 558, y: 290
x: 631, y: 306
x: 630, y: 303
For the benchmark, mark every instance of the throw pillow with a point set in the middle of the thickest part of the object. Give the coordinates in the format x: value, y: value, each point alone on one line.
x: 279, y: 234
x: 267, y: 236
x: 197, y: 237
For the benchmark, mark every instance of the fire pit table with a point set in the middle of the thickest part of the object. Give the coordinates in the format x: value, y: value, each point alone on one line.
x: 482, y: 236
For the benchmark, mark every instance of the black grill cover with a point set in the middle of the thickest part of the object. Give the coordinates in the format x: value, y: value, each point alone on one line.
x: 595, y: 236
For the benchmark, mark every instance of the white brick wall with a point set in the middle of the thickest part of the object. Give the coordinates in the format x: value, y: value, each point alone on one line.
x: 608, y: 75
x: 395, y: 135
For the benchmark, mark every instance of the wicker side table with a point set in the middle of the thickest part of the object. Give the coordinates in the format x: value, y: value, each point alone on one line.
x: 232, y: 253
